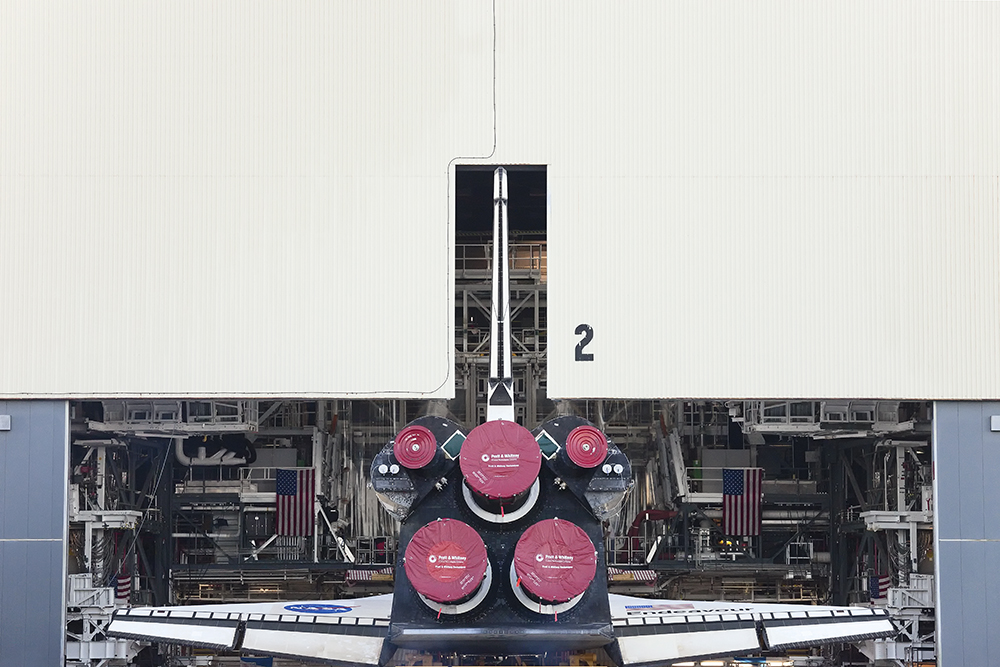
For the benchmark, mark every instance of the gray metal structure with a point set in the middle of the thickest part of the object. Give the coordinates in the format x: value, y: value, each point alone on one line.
x: 34, y: 467
x: 967, y: 531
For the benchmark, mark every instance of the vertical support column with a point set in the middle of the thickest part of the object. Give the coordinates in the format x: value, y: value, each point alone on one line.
x: 34, y: 479
x: 336, y: 448
x: 317, y: 463
x: 840, y: 557
x: 530, y: 395
x: 901, y: 478
x: 164, y: 539
x: 905, y: 538
x: 966, y: 532
x: 465, y: 320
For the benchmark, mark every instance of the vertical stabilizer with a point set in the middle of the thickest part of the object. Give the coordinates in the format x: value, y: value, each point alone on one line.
x: 500, y: 404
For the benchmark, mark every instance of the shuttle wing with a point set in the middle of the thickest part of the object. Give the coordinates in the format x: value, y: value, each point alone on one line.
x: 655, y: 632
x: 348, y: 632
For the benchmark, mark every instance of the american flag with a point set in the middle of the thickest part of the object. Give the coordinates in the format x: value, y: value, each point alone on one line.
x: 123, y: 588
x: 741, y: 492
x: 296, y: 493
x: 878, y: 585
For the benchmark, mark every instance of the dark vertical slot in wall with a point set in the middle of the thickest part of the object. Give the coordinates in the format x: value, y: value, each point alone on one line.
x: 527, y: 205
x: 526, y: 202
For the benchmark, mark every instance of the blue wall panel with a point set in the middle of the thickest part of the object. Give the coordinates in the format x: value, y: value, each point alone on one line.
x: 947, y: 477
x: 967, y: 531
x: 991, y: 590
x: 34, y: 460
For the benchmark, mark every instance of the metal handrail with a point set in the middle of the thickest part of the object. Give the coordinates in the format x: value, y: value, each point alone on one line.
x: 698, y: 473
x: 265, y: 473
x: 476, y: 260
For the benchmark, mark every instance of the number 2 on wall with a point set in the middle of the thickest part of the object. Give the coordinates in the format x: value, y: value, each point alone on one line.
x: 588, y: 335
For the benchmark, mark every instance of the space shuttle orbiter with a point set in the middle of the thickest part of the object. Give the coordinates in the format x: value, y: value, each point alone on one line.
x: 501, y: 552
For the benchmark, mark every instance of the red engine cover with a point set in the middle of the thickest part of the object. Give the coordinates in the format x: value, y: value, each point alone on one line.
x: 555, y: 560
x: 586, y: 446
x: 446, y: 560
x: 415, y: 447
x: 500, y: 459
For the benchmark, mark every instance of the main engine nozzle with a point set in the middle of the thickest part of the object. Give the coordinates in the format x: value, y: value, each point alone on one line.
x: 447, y: 564
x: 500, y: 461
x: 554, y: 564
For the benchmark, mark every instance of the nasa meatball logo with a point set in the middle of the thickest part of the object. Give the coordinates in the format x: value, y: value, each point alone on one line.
x: 318, y: 608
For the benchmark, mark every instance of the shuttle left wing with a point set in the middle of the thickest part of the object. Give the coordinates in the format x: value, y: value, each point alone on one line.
x: 347, y: 632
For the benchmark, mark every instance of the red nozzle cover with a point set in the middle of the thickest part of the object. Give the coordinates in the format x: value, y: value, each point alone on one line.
x: 586, y: 446
x: 415, y: 447
x: 500, y: 459
x: 446, y: 560
x: 555, y: 560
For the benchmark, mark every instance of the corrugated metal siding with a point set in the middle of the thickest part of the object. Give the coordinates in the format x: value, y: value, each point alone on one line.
x: 232, y: 198
x: 765, y: 199
x: 34, y: 474
x: 746, y: 200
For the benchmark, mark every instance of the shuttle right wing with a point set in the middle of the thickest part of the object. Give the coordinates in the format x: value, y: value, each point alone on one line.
x: 653, y: 632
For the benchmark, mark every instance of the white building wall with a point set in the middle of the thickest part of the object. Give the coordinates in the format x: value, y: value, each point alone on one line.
x: 763, y: 200
x: 234, y: 198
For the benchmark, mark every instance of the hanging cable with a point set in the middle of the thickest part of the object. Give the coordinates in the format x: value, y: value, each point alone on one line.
x: 145, y: 512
